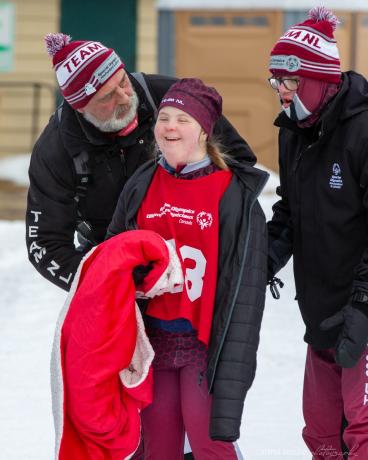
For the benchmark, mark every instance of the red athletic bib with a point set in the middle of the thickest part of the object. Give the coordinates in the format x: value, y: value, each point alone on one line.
x: 186, y: 211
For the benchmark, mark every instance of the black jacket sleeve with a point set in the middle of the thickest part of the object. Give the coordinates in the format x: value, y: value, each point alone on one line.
x: 51, y: 210
x: 280, y: 234
x: 237, y: 365
x: 118, y: 222
x: 361, y: 270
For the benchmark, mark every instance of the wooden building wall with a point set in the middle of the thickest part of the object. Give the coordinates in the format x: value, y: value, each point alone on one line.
x: 34, y: 19
x: 147, y: 18
x: 230, y: 50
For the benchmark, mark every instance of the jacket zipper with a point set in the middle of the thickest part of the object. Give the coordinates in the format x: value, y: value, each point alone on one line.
x: 299, y: 157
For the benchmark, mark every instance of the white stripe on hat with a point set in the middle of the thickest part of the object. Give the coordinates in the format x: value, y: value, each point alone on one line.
x: 325, y: 71
x: 325, y: 64
x: 317, y: 53
x: 81, y: 92
x: 72, y: 52
x: 107, y: 68
x: 318, y: 32
x: 78, y: 61
x: 312, y: 41
x: 320, y: 68
x: 77, y: 72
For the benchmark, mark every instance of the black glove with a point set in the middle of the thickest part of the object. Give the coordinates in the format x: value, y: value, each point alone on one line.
x: 353, y: 338
x: 140, y: 272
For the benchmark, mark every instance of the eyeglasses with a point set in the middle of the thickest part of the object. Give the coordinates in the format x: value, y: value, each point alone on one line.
x: 291, y: 84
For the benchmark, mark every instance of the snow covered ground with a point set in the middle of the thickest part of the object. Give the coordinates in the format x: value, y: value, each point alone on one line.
x: 29, y: 307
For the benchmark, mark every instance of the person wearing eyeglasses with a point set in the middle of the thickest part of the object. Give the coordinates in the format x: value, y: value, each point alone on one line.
x: 321, y: 220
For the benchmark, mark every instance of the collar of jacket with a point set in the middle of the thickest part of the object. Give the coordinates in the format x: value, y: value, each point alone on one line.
x: 79, y: 134
x: 190, y: 167
x: 251, y: 177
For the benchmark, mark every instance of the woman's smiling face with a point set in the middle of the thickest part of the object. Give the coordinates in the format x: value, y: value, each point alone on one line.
x: 179, y: 136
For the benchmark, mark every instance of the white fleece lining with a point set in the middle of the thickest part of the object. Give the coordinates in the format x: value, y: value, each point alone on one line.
x: 141, y: 361
x: 143, y: 354
x: 171, y: 277
x: 142, y: 357
x: 57, y: 387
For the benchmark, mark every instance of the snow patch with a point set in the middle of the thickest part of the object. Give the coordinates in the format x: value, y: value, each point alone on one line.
x: 15, y: 168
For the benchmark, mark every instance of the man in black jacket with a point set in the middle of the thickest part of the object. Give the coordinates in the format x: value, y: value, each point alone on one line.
x: 90, y: 147
x: 321, y: 220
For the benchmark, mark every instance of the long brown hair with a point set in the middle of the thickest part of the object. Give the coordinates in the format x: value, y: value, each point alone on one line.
x: 216, y: 153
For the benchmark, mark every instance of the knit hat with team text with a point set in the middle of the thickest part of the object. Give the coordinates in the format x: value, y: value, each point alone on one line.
x: 82, y: 67
x: 309, y: 49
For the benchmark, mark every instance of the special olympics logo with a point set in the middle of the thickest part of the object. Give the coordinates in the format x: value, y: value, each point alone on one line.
x: 292, y: 63
x: 204, y: 220
x: 89, y: 89
x: 336, y: 169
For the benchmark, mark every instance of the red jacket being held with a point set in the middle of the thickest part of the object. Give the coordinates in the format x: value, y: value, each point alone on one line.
x: 101, y: 360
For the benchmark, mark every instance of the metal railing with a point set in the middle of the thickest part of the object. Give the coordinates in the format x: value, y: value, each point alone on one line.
x: 36, y: 95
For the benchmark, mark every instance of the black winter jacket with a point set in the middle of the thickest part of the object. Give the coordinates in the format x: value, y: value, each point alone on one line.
x: 240, y: 292
x: 321, y: 218
x: 52, y: 209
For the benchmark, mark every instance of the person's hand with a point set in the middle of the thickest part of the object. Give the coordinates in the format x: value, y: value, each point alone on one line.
x: 352, y: 340
x: 171, y: 280
x: 140, y: 272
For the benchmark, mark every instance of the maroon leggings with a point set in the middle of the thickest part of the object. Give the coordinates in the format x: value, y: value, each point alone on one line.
x: 181, y: 401
x: 331, y: 392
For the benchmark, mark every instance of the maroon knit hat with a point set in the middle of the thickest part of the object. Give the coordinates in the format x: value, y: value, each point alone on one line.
x: 309, y: 49
x: 82, y: 67
x: 195, y: 98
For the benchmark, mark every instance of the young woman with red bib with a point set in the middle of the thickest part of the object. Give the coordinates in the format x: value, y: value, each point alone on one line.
x: 206, y: 333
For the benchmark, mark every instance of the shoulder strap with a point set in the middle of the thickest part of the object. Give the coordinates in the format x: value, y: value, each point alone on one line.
x: 59, y: 111
x: 142, y: 81
x: 82, y: 170
x: 84, y: 176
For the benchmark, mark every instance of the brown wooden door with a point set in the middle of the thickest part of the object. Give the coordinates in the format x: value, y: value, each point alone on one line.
x: 361, y: 56
x: 230, y: 50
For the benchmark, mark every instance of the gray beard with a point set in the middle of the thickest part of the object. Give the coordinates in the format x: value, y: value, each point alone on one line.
x: 115, y: 124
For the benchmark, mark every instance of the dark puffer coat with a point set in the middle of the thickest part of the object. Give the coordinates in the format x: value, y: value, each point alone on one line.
x: 321, y: 218
x: 240, y: 292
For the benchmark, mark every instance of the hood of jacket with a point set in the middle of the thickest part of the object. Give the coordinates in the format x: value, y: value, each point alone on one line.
x: 351, y: 100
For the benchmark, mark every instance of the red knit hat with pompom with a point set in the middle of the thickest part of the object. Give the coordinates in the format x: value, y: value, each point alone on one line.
x: 309, y: 49
x: 82, y: 67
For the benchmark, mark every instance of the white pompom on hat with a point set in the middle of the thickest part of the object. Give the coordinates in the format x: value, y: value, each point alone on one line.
x: 309, y: 49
